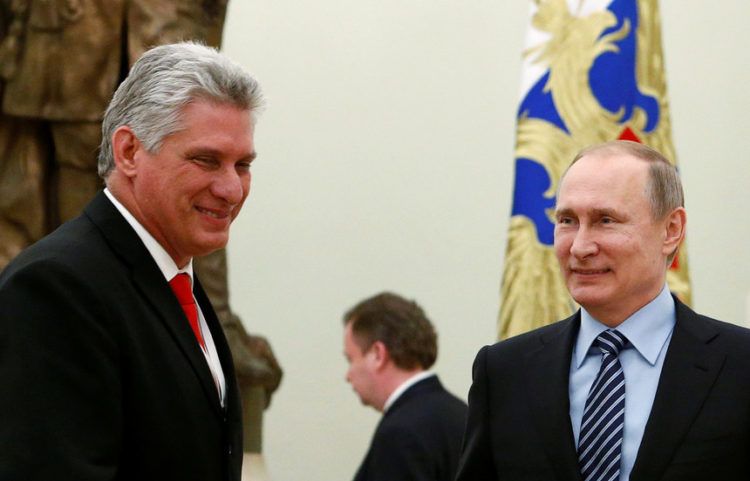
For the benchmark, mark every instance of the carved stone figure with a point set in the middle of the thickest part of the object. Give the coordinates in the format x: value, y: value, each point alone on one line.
x: 60, y: 62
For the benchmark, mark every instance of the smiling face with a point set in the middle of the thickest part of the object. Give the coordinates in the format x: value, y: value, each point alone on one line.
x: 188, y: 192
x: 612, y: 252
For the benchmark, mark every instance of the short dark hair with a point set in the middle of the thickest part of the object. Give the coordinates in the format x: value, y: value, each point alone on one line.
x: 398, y: 323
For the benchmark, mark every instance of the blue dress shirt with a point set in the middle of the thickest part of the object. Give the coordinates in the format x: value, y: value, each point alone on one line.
x: 649, y: 330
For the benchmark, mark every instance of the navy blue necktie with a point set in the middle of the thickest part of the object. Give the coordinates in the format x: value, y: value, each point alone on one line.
x: 600, y: 440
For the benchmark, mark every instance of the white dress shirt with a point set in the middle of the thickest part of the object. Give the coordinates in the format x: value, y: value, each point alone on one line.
x: 648, y: 331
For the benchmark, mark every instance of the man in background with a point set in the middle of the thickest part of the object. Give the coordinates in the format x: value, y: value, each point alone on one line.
x: 115, y: 362
x: 390, y: 345
x: 635, y: 385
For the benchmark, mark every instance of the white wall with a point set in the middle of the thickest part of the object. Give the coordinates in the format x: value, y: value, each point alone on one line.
x: 386, y: 157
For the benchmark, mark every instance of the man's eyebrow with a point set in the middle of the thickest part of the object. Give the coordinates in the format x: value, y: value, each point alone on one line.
x: 596, y: 212
x: 211, y: 152
x: 606, y: 212
x: 248, y: 158
x: 565, y: 211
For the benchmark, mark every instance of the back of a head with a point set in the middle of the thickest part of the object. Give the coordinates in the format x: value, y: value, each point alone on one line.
x: 400, y: 324
x: 162, y: 82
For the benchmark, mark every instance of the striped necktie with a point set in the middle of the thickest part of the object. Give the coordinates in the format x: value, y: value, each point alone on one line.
x: 600, y: 440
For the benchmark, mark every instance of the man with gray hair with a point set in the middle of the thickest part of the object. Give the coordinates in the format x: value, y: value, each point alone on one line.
x: 113, y: 361
x: 635, y: 385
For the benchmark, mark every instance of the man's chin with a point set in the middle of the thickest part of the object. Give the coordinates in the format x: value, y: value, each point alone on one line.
x: 588, y: 298
x: 211, y: 243
x: 203, y: 251
x: 365, y: 402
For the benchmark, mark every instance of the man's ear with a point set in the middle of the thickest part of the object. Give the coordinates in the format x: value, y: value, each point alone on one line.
x: 380, y: 354
x: 125, y: 150
x: 674, y: 225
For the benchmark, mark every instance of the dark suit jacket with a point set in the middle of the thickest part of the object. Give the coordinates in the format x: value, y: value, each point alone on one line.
x: 418, y: 438
x: 101, y: 375
x: 699, y: 427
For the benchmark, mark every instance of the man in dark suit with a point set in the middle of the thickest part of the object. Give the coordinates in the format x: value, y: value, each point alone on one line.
x: 390, y: 345
x: 113, y: 362
x: 635, y: 386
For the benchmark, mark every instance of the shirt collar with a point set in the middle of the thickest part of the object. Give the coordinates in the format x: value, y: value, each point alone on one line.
x: 404, y: 386
x: 163, y: 260
x: 647, y: 329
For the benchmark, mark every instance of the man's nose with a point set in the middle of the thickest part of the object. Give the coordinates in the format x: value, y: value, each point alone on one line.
x: 584, y: 244
x: 230, y: 185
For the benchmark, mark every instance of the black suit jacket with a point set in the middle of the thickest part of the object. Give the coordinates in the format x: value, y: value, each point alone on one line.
x: 418, y: 438
x: 698, y: 429
x: 101, y: 375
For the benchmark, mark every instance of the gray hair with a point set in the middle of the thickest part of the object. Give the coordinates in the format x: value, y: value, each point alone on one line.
x: 161, y: 83
x: 664, y: 189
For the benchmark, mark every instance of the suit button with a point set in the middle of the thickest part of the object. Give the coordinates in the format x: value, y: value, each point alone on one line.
x: 229, y: 450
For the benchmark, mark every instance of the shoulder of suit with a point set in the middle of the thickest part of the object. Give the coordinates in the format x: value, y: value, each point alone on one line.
x: 691, y: 320
x: 71, y: 246
x: 532, y: 339
x: 424, y: 405
x: 416, y: 423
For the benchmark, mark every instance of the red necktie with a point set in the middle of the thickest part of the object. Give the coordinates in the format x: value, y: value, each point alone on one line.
x: 180, y: 285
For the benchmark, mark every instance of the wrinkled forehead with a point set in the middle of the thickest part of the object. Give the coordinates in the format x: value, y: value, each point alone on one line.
x: 603, y: 178
x: 606, y: 166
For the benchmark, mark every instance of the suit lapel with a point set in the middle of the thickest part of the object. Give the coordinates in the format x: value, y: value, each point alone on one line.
x: 220, y: 342
x: 689, y: 371
x: 155, y: 289
x: 548, y: 373
x: 214, y: 325
x: 149, y: 281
